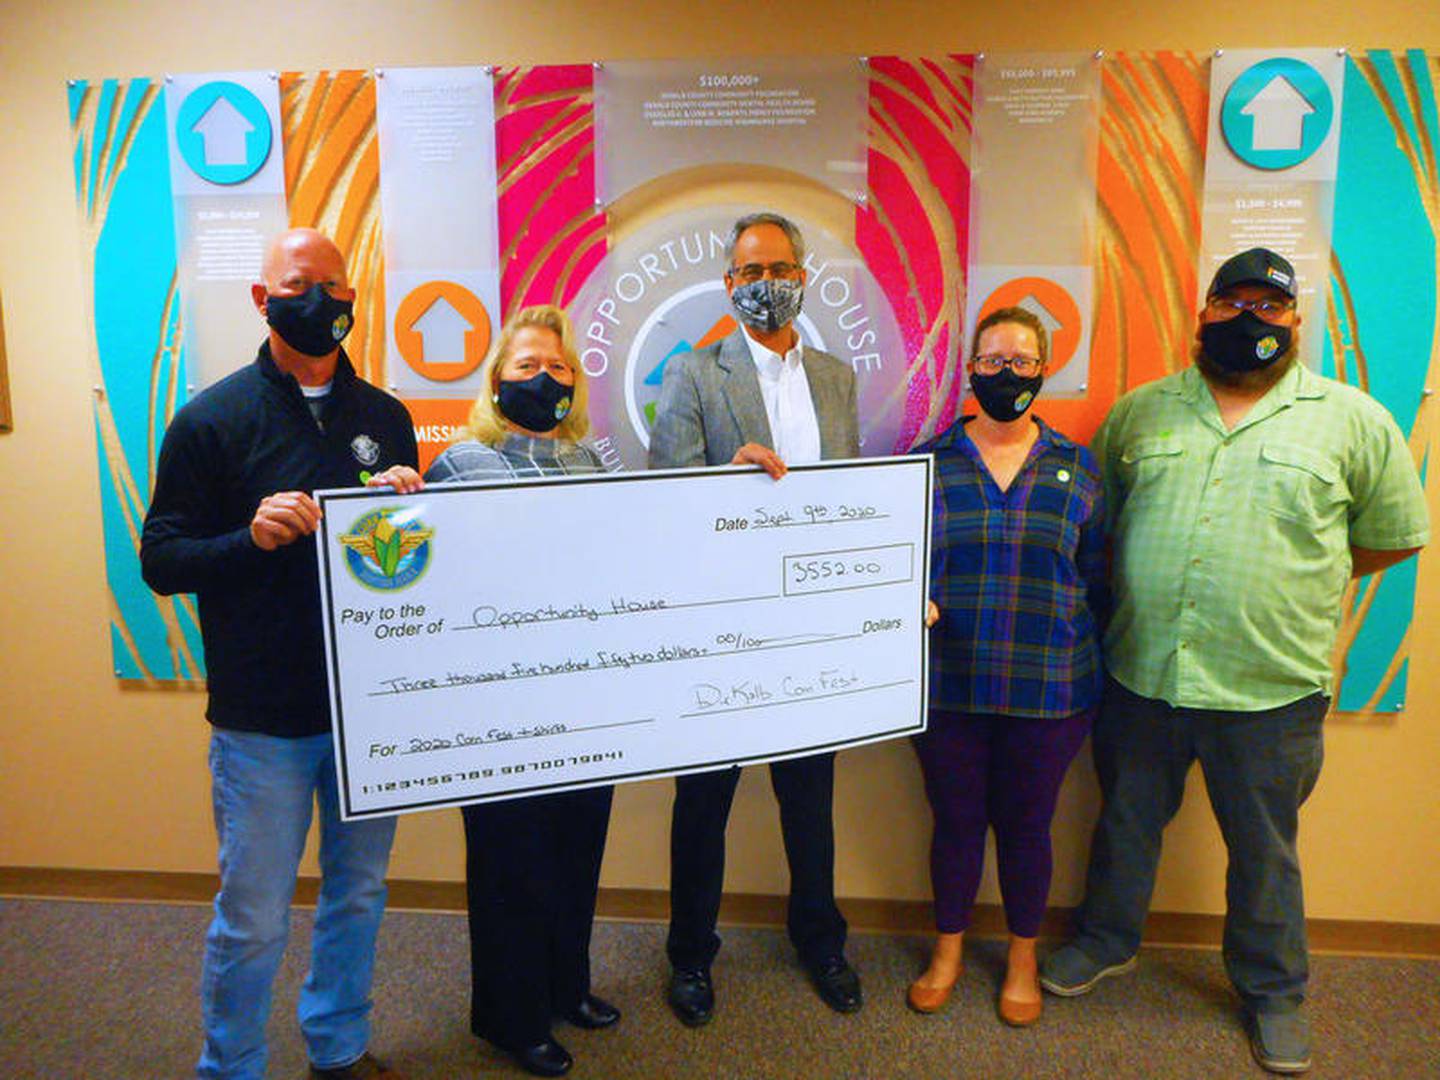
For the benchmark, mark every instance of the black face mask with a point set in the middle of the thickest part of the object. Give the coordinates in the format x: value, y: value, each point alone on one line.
x: 1005, y: 395
x: 313, y: 323
x: 1244, y: 343
x: 538, y: 403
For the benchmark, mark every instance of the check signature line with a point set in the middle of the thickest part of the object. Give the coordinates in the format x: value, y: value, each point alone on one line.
x: 612, y: 614
x: 797, y: 700
x: 522, y: 738
x: 818, y: 640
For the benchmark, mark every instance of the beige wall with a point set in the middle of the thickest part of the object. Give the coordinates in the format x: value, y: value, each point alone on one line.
x: 96, y: 776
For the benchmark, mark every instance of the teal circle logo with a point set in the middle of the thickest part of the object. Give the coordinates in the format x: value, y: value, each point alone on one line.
x: 1266, y: 347
x: 1277, y: 113
x: 223, y: 133
x: 387, y: 549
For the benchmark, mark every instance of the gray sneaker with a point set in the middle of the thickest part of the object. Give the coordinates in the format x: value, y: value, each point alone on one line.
x: 1069, y: 971
x: 1280, y: 1041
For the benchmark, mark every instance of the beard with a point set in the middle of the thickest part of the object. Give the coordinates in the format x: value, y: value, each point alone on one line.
x: 1246, y: 382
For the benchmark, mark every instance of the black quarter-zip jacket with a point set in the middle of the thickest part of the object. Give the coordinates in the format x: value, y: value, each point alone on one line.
x: 248, y: 436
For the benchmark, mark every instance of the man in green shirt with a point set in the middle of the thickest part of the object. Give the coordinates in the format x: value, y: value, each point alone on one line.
x: 1244, y: 493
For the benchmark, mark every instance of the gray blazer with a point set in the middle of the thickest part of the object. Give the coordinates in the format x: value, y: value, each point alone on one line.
x: 710, y: 406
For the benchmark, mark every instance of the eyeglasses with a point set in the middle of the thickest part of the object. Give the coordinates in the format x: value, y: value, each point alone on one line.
x: 1228, y: 307
x: 755, y: 271
x: 1024, y: 366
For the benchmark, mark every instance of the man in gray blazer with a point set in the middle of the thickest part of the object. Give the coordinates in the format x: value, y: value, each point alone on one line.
x: 757, y: 397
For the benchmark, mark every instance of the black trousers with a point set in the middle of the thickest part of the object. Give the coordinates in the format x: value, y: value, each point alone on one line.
x: 532, y: 869
x: 805, y: 790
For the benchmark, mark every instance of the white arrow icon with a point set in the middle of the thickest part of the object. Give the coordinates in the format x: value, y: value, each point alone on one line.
x: 1032, y: 304
x: 443, y: 331
x: 223, y: 128
x: 1278, y: 112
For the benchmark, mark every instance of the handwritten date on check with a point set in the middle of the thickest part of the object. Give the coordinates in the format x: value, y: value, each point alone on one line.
x: 487, y: 641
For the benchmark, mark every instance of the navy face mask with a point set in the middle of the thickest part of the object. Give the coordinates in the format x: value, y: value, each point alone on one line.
x: 538, y: 403
x: 313, y: 323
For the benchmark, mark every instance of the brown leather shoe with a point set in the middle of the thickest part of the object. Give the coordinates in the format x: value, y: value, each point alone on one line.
x: 930, y: 999
x: 1019, y: 1013
x: 365, y: 1067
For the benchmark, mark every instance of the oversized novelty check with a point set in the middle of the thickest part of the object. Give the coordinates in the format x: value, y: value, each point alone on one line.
x: 489, y: 641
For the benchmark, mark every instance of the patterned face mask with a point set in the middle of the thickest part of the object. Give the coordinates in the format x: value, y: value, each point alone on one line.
x: 768, y: 304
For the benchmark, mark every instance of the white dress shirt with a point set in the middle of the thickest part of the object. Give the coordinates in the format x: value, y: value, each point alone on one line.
x: 788, y: 404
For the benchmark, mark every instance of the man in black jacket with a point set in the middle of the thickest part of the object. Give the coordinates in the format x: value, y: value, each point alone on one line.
x: 232, y: 520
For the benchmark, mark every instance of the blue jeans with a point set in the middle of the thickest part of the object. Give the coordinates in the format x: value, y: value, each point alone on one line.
x: 263, y: 791
x: 1259, y: 767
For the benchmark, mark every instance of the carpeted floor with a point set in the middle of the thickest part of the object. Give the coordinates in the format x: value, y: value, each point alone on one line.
x: 98, y: 991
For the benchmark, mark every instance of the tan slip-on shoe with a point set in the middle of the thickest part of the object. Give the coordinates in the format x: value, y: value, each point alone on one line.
x: 930, y: 999
x: 1019, y: 1013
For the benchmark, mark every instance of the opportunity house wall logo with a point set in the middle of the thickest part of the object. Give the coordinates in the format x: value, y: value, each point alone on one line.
x: 660, y: 296
x: 388, y: 549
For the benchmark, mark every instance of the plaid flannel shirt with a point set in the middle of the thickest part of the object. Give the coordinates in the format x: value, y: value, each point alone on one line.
x: 1020, y: 579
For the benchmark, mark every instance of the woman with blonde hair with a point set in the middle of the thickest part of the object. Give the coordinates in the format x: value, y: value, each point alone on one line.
x: 532, y: 414
x: 532, y: 864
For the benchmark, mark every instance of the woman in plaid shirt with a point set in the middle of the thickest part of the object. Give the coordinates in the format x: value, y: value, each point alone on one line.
x: 1017, y: 594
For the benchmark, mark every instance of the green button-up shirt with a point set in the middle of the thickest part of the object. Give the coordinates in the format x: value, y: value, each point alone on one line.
x: 1232, y: 548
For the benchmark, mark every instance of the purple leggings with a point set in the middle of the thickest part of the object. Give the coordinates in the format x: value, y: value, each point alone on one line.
x: 1001, y: 771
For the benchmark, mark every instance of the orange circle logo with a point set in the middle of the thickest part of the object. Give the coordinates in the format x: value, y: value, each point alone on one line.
x: 442, y: 330
x: 1049, y: 303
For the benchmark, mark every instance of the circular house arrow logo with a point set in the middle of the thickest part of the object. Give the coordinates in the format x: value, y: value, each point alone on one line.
x: 442, y: 330
x: 1277, y: 113
x: 223, y: 133
x: 1049, y: 302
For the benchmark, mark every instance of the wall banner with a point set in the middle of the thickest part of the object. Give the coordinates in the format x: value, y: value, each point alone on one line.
x: 1382, y: 327
x: 227, y: 178
x: 805, y: 114
x: 1032, y: 200
x: 122, y: 196
x: 640, y: 274
x: 1270, y: 165
x: 437, y: 205
x: 690, y: 149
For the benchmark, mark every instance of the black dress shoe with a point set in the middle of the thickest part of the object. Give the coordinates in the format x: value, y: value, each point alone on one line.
x: 691, y: 996
x: 548, y: 1058
x: 593, y: 1013
x: 837, y: 983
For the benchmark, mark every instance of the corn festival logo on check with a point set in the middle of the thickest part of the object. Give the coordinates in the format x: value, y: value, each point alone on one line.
x: 387, y: 549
